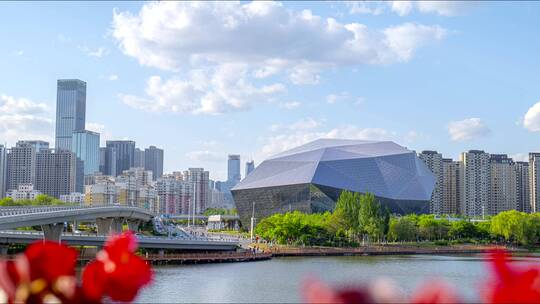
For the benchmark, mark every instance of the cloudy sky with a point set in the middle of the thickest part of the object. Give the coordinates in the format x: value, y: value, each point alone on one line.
x: 203, y: 80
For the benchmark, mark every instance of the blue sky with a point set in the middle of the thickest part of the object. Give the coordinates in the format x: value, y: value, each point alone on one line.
x: 203, y: 80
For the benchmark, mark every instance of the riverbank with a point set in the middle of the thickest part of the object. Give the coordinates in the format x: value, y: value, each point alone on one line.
x: 398, y: 249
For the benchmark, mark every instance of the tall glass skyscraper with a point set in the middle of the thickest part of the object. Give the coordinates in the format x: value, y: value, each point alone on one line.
x: 233, y: 169
x: 85, y: 145
x: 70, y: 110
x: 125, y: 154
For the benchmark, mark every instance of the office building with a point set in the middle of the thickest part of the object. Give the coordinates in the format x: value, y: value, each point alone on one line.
x: 125, y: 155
x: 522, y: 187
x: 107, y: 161
x: 311, y: 177
x: 502, y: 192
x: 153, y: 161
x: 70, y: 111
x: 3, y: 171
x: 434, y: 162
x: 198, y: 179
x: 250, y: 166
x: 21, y: 165
x: 233, y: 169
x: 475, y: 183
x: 534, y: 182
x: 57, y: 172
x: 23, y: 192
x: 139, y: 158
x: 85, y: 145
x: 450, y: 187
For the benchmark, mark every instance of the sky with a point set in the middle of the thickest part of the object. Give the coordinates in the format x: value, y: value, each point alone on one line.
x: 204, y: 80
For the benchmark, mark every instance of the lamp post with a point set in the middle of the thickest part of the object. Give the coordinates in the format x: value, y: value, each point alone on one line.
x: 252, y: 221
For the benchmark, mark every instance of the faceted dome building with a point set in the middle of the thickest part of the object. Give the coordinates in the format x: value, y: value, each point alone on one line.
x: 310, y: 178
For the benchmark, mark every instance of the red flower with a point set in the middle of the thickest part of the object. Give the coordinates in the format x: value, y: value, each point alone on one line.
x: 511, y: 284
x: 435, y: 292
x: 117, y: 272
x: 50, y: 260
x: 315, y: 291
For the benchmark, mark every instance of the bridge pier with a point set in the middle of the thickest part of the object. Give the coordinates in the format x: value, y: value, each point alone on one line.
x: 133, y: 225
x: 52, y: 232
x: 109, y: 225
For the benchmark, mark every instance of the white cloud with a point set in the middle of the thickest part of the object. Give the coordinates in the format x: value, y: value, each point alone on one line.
x: 406, y: 38
x: 98, y: 53
x: 438, y: 7
x: 524, y: 157
x: 467, y: 129
x: 14, y: 127
x: 13, y: 105
x: 113, y: 77
x: 104, y: 133
x: 334, y: 98
x: 175, y: 35
x: 206, y: 156
x: 210, y: 92
x: 290, y: 105
x: 531, y: 121
x: 365, y: 7
x: 19, y: 53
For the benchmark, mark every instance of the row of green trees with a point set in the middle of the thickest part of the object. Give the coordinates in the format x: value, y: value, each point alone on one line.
x: 360, y: 217
x: 220, y: 211
x: 40, y: 200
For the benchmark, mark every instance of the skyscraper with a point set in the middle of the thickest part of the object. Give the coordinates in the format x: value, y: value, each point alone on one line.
x: 70, y: 110
x: 21, y: 165
x: 534, y: 182
x: 522, y: 186
x: 434, y: 162
x: 139, y: 158
x: 502, y: 191
x: 153, y: 161
x: 3, y: 170
x: 233, y: 169
x: 85, y: 145
x: 474, y: 183
x: 56, y: 172
x: 250, y: 166
x: 450, y: 187
x: 125, y: 154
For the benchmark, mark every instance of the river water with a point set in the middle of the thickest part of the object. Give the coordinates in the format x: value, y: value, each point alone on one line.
x: 279, y: 280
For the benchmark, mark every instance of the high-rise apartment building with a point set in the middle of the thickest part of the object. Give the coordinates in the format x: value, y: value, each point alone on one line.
x: 3, y: 171
x: 174, y: 194
x: 139, y: 158
x: 85, y: 145
x: 153, y: 161
x: 102, y: 192
x: 502, y: 191
x: 70, y: 111
x: 522, y: 187
x: 434, y: 162
x: 250, y: 166
x: 450, y: 187
x: 233, y: 170
x: 21, y: 165
x: 39, y: 145
x: 56, y: 172
x: 198, y: 179
x: 125, y: 154
x: 534, y: 182
x: 474, y: 183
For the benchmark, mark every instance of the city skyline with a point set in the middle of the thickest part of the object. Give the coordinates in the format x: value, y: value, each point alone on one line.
x: 442, y: 64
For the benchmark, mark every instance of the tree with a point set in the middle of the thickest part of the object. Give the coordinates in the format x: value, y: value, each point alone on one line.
x: 370, y: 217
x: 463, y: 229
x: 402, y: 229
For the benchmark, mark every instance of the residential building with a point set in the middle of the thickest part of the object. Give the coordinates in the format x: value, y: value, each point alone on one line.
x: 534, y: 182
x: 450, y: 187
x: 502, y: 191
x: 434, y: 162
x: 39, y: 145
x: 70, y: 111
x: 522, y: 186
x: 139, y: 158
x: 73, y: 198
x: 3, y: 171
x: 474, y: 183
x: 21, y: 165
x: 174, y: 194
x: 198, y: 180
x: 57, y: 172
x: 102, y: 192
x: 153, y: 161
x: 125, y: 154
x: 85, y: 145
x: 250, y: 166
x: 23, y: 192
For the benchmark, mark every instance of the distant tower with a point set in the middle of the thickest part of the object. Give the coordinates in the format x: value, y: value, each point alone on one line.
x: 250, y: 166
x: 85, y: 145
x: 3, y: 170
x: 70, y: 110
x: 233, y: 169
x: 474, y: 183
x: 434, y: 162
x: 522, y: 186
x: 153, y: 161
x: 502, y: 192
x: 534, y: 188
x: 125, y: 154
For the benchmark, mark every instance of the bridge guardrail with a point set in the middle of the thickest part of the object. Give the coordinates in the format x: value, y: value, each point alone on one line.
x: 18, y: 210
